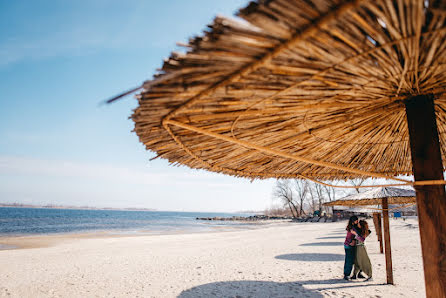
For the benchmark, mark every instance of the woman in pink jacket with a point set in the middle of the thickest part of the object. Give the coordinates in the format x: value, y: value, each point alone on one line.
x: 350, y: 245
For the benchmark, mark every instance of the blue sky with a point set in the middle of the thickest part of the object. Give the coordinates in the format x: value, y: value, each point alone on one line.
x: 58, y: 60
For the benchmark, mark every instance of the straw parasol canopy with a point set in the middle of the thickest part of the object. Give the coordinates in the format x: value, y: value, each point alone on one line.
x: 375, y: 196
x: 299, y: 89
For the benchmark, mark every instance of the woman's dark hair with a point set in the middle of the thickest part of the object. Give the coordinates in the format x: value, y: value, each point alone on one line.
x: 351, y: 222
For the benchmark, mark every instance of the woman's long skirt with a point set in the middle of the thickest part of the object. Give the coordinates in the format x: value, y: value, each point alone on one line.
x: 362, y: 261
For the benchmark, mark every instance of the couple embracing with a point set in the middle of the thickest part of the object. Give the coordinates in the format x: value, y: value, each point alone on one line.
x: 355, y: 252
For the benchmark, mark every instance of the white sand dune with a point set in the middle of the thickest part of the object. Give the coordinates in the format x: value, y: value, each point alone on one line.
x: 280, y: 260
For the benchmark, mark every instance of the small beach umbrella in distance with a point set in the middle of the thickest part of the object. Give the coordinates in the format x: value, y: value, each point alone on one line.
x: 380, y: 196
x: 320, y: 89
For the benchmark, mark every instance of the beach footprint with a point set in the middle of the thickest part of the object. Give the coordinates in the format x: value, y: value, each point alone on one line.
x: 4, y: 292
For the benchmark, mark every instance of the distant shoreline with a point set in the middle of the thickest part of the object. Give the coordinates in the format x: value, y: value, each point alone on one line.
x: 73, y: 207
x: 13, y: 205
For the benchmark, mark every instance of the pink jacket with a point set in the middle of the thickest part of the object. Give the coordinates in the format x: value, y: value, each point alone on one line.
x: 350, y: 236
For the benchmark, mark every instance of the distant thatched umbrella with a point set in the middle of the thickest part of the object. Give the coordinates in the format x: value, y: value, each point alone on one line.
x: 383, y: 196
x: 323, y: 89
x: 374, y: 196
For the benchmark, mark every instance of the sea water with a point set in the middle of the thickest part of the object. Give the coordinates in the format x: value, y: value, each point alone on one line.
x: 27, y: 221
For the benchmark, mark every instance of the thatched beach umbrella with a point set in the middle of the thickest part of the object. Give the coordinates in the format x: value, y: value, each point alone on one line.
x: 320, y: 89
x: 380, y: 196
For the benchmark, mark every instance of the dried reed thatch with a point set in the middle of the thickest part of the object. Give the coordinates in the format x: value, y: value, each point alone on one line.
x: 374, y: 197
x: 299, y: 88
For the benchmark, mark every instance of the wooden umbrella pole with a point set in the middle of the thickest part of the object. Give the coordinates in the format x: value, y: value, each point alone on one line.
x: 374, y: 223
x: 378, y: 229
x: 381, y: 248
x: 389, y: 270
x: 431, y: 199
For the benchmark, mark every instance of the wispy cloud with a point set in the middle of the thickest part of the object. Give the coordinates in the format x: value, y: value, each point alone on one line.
x: 80, y: 33
x: 42, y: 181
x: 70, y: 42
x: 11, y: 165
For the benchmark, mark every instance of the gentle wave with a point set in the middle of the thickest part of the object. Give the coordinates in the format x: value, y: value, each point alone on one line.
x: 25, y: 221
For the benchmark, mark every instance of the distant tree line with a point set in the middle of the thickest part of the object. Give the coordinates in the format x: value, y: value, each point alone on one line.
x: 297, y: 197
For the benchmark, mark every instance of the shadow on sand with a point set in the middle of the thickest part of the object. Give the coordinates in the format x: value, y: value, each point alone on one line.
x: 251, y: 288
x: 332, y: 237
x: 337, y: 234
x: 312, y: 257
x: 323, y: 244
x: 248, y: 288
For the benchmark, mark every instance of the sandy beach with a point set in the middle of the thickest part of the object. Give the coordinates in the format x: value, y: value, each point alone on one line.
x: 277, y: 260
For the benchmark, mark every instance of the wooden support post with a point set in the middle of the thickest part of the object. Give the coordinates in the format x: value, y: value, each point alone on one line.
x: 378, y: 229
x: 431, y: 199
x: 389, y: 270
x: 375, y: 223
x: 381, y: 249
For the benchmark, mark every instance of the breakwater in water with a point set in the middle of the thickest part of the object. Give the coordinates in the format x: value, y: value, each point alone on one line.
x: 254, y: 218
x: 245, y: 218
